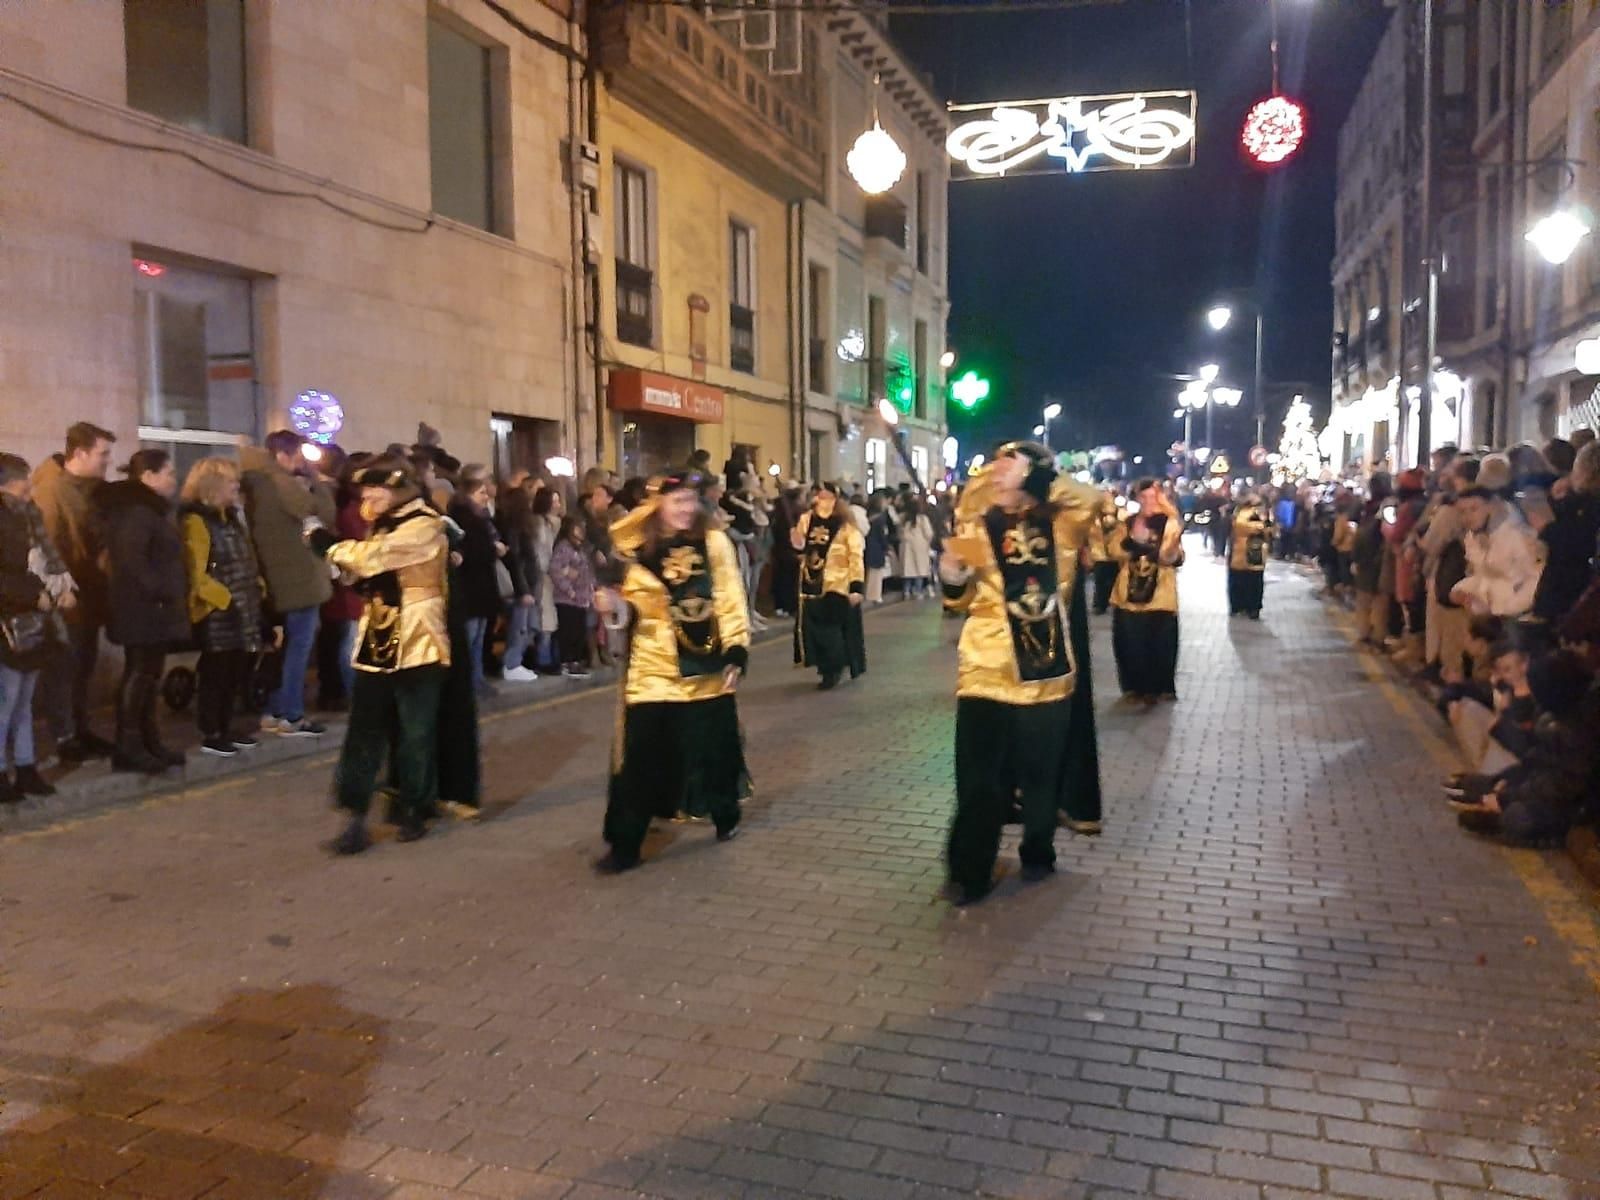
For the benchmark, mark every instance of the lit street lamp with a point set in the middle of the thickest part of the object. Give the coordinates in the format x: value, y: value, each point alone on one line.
x: 1209, y: 373
x: 1557, y: 235
x: 1219, y: 317
x: 947, y: 359
x: 1051, y: 412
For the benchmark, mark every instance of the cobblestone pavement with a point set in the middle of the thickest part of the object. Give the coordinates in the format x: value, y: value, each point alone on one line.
x: 1281, y: 973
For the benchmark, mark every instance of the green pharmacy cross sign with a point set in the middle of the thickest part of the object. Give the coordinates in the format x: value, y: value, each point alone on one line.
x: 970, y: 390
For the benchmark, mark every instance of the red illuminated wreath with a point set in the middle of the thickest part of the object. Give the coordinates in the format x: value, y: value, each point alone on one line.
x: 1273, y: 130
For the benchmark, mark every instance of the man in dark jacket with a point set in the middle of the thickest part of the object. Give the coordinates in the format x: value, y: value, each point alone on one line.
x: 280, y: 492
x: 64, y: 487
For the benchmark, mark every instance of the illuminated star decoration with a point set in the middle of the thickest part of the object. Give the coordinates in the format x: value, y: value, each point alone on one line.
x: 316, y: 416
x: 1274, y: 130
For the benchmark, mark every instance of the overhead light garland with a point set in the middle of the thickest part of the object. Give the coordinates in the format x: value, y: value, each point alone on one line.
x: 1274, y: 128
x: 876, y: 161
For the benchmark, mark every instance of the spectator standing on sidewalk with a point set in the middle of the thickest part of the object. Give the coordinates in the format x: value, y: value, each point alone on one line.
x: 548, y: 510
x: 916, y: 548
x: 34, y: 589
x: 63, y: 488
x: 785, y: 561
x: 281, y: 493
x: 147, y: 596
x: 1400, y: 547
x: 1444, y: 555
x: 336, y: 640
x: 1366, y: 563
x: 225, y: 602
x: 1503, y: 564
x: 515, y: 521
x: 875, y: 556
x: 475, y: 578
x: 573, y: 584
x: 1568, y: 527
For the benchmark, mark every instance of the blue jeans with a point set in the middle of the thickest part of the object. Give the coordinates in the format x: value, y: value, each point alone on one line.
x: 522, y: 627
x: 477, y: 627
x: 288, y: 703
x: 16, y: 716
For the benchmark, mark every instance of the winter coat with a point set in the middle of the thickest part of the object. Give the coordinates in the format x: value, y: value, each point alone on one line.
x: 545, y: 529
x: 515, y: 522
x: 347, y: 604
x: 276, y: 505
x: 20, y: 588
x: 876, y: 555
x: 1366, y: 552
x: 73, y: 523
x: 1407, y: 570
x: 225, y: 590
x: 147, y: 584
x: 475, y: 581
x: 916, y: 547
x: 1569, y: 543
x: 572, y: 574
x: 1503, y: 566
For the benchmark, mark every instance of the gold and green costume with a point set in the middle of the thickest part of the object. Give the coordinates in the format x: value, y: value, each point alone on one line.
x: 1025, y: 739
x: 678, y: 746
x: 1247, y: 563
x: 828, y: 629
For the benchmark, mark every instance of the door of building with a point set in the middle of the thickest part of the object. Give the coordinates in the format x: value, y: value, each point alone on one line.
x: 523, y: 443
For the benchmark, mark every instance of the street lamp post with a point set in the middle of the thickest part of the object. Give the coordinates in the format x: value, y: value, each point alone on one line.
x: 1219, y: 317
x: 1051, y: 412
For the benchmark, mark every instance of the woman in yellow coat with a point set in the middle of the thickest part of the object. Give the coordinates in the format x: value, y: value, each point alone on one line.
x: 1247, y: 562
x: 678, y: 746
x: 1025, y: 738
x: 1144, y: 627
x: 833, y: 583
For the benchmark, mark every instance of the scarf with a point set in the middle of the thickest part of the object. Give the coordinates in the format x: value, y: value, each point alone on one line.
x: 1025, y: 549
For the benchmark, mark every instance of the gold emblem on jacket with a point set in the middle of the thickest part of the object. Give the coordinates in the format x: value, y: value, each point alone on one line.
x: 1024, y: 547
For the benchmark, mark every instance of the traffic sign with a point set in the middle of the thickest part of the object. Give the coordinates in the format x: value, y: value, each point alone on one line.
x: 1258, y: 456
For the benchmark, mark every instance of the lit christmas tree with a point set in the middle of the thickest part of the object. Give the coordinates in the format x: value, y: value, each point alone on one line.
x: 1298, y: 454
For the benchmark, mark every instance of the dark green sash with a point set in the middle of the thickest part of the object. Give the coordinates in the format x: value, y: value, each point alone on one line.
x: 685, y: 570
x: 1025, y: 549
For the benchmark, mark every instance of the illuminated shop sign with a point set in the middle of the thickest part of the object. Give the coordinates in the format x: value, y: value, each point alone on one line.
x: 1128, y: 131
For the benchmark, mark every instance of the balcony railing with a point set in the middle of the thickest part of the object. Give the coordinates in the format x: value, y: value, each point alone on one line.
x: 635, y: 303
x: 741, y: 339
x: 886, y: 219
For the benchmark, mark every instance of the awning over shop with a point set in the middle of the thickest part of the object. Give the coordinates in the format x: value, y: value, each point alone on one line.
x: 637, y: 391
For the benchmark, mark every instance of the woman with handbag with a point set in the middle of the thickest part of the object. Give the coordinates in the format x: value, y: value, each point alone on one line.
x: 34, y: 589
x: 225, y: 601
x: 148, y: 591
x: 1247, y: 563
x: 1144, y: 625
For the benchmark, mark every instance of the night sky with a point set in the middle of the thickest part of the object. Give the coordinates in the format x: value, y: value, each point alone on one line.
x: 1093, y: 288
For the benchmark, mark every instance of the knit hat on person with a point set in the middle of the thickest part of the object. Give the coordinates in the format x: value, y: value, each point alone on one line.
x: 1411, y: 482
x: 1494, y: 477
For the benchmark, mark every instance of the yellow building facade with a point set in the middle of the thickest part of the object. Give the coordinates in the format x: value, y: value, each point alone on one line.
x: 704, y: 224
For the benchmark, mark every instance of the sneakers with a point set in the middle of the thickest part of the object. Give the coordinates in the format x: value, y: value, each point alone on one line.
x: 30, y: 783
x: 284, y: 727
x: 461, y: 812
x: 519, y: 675
x: 243, y: 741
x: 575, y: 671
x: 221, y: 747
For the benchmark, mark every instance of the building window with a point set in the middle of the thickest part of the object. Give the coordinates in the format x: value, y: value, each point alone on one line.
x: 919, y: 369
x: 185, y: 61
x: 877, y: 464
x: 464, y: 124
x: 820, y: 457
x: 877, y: 349
x: 919, y: 464
x: 817, y: 348
x: 196, y: 360
x: 635, y: 280
x: 741, y: 297
x: 922, y: 222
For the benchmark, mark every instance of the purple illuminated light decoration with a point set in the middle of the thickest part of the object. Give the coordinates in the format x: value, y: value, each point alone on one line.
x: 316, y: 416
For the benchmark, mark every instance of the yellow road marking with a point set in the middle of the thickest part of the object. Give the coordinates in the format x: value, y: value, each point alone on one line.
x: 1571, y: 916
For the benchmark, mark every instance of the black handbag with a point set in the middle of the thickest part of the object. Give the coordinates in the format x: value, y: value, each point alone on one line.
x: 26, y: 634
x: 1143, y: 577
x: 1452, y: 569
x: 1255, y: 550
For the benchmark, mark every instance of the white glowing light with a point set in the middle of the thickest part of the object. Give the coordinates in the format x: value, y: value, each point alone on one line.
x: 977, y: 461
x: 1038, y: 431
x: 1556, y: 236
x: 1219, y: 316
x: 1138, y: 460
x: 1209, y: 372
x: 889, y: 413
x: 560, y: 467
x: 1228, y: 397
x: 774, y: 470
x: 852, y: 346
x: 947, y: 359
x: 1052, y: 411
x: 311, y: 452
x: 941, y: 486
x: 1084, y: 477
x: 876, y: 161
x: 1126, y: 131
x: 950, y: 453
x: 1374, y: 313
x: 1178, y: 413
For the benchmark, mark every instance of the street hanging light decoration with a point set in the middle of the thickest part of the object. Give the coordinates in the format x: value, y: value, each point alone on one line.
x: 970, y: 390
x: 1127, y: 131
x: 876, y: 161
x: 1556, y: 236
x: 1274, y: 128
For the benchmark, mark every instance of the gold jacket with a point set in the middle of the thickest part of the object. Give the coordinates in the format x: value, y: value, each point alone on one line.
x: 653, y: 653
x: 1171, y: 556
x: 1249, y: 520
x: 846, y: 563
x: 1101, y: 528
x: 987, y: 663
x: 417, y: 551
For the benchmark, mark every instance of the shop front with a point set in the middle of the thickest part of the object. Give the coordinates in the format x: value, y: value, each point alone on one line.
x: 654, y: 418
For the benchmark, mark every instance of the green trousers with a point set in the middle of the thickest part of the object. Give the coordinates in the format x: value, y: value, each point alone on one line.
x: 397, y: 712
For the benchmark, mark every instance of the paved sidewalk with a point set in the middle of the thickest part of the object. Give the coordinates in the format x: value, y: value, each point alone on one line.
x: 1282, y: 973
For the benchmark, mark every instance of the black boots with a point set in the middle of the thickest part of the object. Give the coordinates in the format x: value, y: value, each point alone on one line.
x: 150, y: 731
x: 30, y: 783
x: 136, y: 700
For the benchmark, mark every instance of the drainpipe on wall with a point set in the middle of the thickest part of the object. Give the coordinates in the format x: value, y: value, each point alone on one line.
x: 577, y: 232
x: 1511, y: 205
x: 795, y: 230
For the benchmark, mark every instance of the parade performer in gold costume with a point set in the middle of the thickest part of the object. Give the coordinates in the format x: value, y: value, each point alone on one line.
x: 1247, y: 562
x: 402, y: 649
x: 833, y: 581
x: 1025, y: 738
x: 678, y: 746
